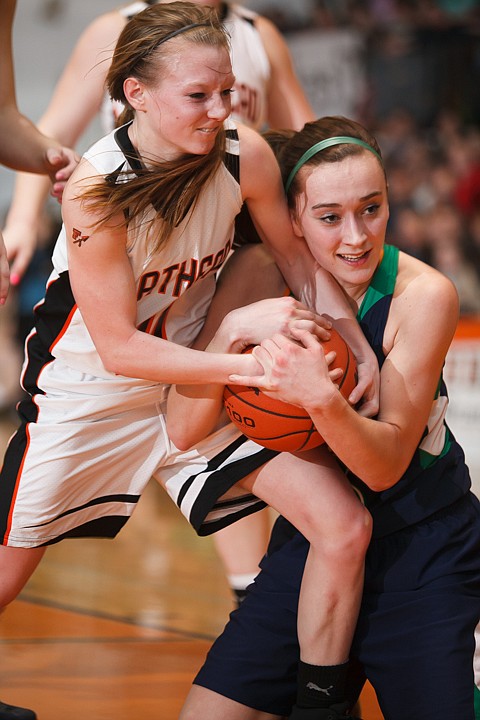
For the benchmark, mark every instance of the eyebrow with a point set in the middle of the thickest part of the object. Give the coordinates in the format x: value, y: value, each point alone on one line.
x: 371, y: 195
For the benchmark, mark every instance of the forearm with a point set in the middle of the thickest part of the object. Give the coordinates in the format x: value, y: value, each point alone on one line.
x: 27, y: 147
x: 372, y: 450
x: 153, y: 359
x: 328, y: 298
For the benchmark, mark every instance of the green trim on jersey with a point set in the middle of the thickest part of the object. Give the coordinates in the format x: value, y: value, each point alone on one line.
x: 383, y: 281
x: 437, y: 440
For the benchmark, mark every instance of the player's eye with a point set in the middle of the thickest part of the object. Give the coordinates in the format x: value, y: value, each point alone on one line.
x: 329, y: 219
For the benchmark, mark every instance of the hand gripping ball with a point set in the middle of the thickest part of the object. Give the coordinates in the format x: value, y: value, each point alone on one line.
x: 278, y: 425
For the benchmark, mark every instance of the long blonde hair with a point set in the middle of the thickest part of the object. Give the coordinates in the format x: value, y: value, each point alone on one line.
x: 172, y: 187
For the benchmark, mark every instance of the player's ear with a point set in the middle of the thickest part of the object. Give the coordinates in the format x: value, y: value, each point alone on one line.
x: 295, y: 223
x: 134, y: 92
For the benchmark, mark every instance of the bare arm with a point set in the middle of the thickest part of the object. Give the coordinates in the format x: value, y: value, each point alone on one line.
x: 101, y: 278
x: 288, y: 106
x: 75, y: 102
x: 23, y: 147
x: 4, y: 272
x: 419, y: 334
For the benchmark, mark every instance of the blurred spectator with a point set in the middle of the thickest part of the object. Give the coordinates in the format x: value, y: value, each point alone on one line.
x: 446, y: 234
x: 473, y: 241
x: 409, y: 234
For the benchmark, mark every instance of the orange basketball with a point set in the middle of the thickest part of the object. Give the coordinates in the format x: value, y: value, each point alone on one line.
x: 278, y: 425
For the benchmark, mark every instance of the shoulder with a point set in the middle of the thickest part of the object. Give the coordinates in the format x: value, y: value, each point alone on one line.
x: 260, y: 177
x: 269, y: 34
x: 240, y: 13
x: 416, y: 279
x: 252, y: 141
x: 424, y: 301
x: 255, y: 153
x: 130, y: 9
x: 271, y: 37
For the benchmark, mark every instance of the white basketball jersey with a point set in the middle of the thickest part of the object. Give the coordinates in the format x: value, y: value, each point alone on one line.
x: 174, y: 284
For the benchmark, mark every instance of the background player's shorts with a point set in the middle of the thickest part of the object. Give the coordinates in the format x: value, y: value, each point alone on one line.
x: 414, y: 639
x: 79, y: 468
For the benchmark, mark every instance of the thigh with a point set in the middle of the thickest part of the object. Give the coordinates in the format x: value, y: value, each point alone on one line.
x: 415, y: 635
x: 76, y: 478
x: 311, y: 491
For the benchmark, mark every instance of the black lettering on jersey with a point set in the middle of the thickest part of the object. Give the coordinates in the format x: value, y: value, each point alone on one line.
x: 147, y: 283
x: 185, y: 279
x: 160, y: 281
x: 167, y: 273
x: 205, y: 266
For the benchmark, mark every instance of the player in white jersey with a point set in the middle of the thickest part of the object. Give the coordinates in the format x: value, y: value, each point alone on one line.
x: 66, y: 377
x: 266, y: 92
x: 149, y: 217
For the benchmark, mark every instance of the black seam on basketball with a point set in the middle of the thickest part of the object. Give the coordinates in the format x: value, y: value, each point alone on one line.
x: 264, y: 410
x: 345, y: 372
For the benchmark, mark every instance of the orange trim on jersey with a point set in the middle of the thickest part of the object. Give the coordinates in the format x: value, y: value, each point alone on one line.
x: 163, y: 318
x: 17, y: 483
x: 64, y: 328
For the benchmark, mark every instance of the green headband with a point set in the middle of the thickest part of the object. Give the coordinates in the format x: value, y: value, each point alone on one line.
x: 322, y: 145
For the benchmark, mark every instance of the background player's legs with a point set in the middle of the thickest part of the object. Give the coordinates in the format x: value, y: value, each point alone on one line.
x: 16, y: 567
x: 240, y: 547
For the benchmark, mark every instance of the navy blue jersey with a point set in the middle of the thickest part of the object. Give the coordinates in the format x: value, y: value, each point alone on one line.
x: 437, y: 475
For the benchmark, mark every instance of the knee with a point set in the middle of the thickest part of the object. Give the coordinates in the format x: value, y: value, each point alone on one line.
x: 345, y: 537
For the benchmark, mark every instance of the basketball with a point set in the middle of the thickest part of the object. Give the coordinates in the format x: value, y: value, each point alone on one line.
x: 278, y: 425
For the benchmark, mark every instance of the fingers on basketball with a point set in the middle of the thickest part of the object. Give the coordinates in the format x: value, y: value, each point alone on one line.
x: 278, y: 425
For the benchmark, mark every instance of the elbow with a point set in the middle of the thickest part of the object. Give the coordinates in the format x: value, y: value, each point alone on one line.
x: 384, y: 480
x: 113, y: 360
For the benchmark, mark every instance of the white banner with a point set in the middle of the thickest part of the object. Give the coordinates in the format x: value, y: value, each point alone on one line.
x: 462, y: 375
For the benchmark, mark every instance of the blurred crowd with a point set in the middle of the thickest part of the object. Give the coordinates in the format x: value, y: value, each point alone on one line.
x: 422, y: 60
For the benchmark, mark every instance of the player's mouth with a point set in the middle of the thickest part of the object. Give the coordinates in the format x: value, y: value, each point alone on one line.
x: 355, y: 259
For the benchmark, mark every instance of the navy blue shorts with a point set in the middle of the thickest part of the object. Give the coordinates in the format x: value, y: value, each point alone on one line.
x: 415, y: 634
